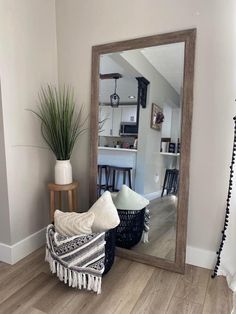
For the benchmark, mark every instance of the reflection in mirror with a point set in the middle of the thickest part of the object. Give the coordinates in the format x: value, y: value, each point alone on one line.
x: 139, y: 135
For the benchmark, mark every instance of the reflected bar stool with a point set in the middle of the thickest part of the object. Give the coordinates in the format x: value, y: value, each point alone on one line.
x: 102, y: 186
x: 116, y: 171
x: 170, y: 182
x: 70, y: 189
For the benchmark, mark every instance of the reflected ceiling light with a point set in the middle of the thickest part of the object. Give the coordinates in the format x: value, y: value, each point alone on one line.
x: 114, y: 98
x: 132, y: 97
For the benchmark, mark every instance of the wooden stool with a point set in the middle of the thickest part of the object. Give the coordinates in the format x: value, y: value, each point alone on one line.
x: 71, y: 194
x: 170, y: 182
x: 115, y: 170
x: 102, y: 185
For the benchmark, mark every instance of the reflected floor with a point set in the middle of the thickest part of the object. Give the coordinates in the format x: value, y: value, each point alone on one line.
x: 162, y: 233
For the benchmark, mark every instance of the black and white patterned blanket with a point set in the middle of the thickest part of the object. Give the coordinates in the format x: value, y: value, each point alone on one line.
x: 77, y: 260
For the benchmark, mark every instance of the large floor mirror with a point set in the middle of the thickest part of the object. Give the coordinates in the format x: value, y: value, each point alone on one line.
x: 141, y: 113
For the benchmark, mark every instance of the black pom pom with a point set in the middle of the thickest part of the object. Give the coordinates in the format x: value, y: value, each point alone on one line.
x: 227, y: 209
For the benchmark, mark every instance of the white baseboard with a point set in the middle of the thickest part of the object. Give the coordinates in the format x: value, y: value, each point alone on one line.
x: 5, y: 253
x: 153, y: 195
x: 13, y: 253
x: 200, y: 257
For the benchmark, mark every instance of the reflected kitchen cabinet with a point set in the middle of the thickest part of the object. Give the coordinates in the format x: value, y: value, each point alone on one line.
x: 129, y: 113
x: 116, y: 120
x: 112, y: 120
x: 113, y: 117
x: 105, y: 114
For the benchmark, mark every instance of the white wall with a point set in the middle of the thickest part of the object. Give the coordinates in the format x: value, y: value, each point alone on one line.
x: 5, y: 235
x: 166, y: 125
x: 28, y: 59
x: 150, y: 163
x: 125, y: 87
x: 82, y: 24
x: 175, y: 124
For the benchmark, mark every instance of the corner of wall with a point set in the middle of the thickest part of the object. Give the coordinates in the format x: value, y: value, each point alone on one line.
x: 5, y: 232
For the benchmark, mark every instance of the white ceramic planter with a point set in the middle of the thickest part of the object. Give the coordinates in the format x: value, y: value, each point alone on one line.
x: 63, y: 172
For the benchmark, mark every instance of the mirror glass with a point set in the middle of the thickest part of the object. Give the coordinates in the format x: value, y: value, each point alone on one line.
x: 140, y: 96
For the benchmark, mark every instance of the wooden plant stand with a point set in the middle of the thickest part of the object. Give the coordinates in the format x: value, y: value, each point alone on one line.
x: 56, y: 190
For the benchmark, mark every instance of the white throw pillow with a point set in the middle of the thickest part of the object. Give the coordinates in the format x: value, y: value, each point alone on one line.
x: 71, y: 224
x: 106, y: 216
x: 128, y: 199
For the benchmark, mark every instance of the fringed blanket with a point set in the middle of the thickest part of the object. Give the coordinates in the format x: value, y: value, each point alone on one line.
x: 146, y: 225
x: 77, y: 260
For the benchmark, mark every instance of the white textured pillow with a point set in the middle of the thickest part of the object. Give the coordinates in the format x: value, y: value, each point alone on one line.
x: 71, y: 224
x: 106, y: 216
x: 129, y: 200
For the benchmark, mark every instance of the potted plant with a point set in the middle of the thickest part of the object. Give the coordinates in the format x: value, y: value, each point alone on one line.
x: 61, y: 124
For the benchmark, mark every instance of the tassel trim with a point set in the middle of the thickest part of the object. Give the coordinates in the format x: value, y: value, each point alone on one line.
x: 145, y: 237
x: 73, y: 278
x: 146, y: 226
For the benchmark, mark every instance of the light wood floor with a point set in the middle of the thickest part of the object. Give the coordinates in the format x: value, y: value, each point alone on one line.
x: 130, y: 287
x: 162, y: 233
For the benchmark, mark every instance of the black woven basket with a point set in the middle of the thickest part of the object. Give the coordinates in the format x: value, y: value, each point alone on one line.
x: 110, y: 237
x: 130, y: 230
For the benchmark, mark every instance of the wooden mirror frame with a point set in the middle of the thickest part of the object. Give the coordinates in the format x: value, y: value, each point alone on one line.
x: 188, y: 37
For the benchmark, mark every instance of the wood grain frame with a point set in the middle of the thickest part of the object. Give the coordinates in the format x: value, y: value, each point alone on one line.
x: 189, y: 38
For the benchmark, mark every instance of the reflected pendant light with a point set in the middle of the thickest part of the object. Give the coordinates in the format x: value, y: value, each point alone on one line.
x: 114, y: 98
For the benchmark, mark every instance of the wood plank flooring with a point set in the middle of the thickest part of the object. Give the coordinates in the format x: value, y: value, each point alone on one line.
x: 162, y: 232
x: 130, y: 287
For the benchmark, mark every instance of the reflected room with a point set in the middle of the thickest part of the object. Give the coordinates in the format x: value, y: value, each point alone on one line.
x: 140, y: 97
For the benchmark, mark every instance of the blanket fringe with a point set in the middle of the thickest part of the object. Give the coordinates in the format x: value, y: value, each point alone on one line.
x: 73, y: 278
x: 145, y: 237
x: 146, y: 226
